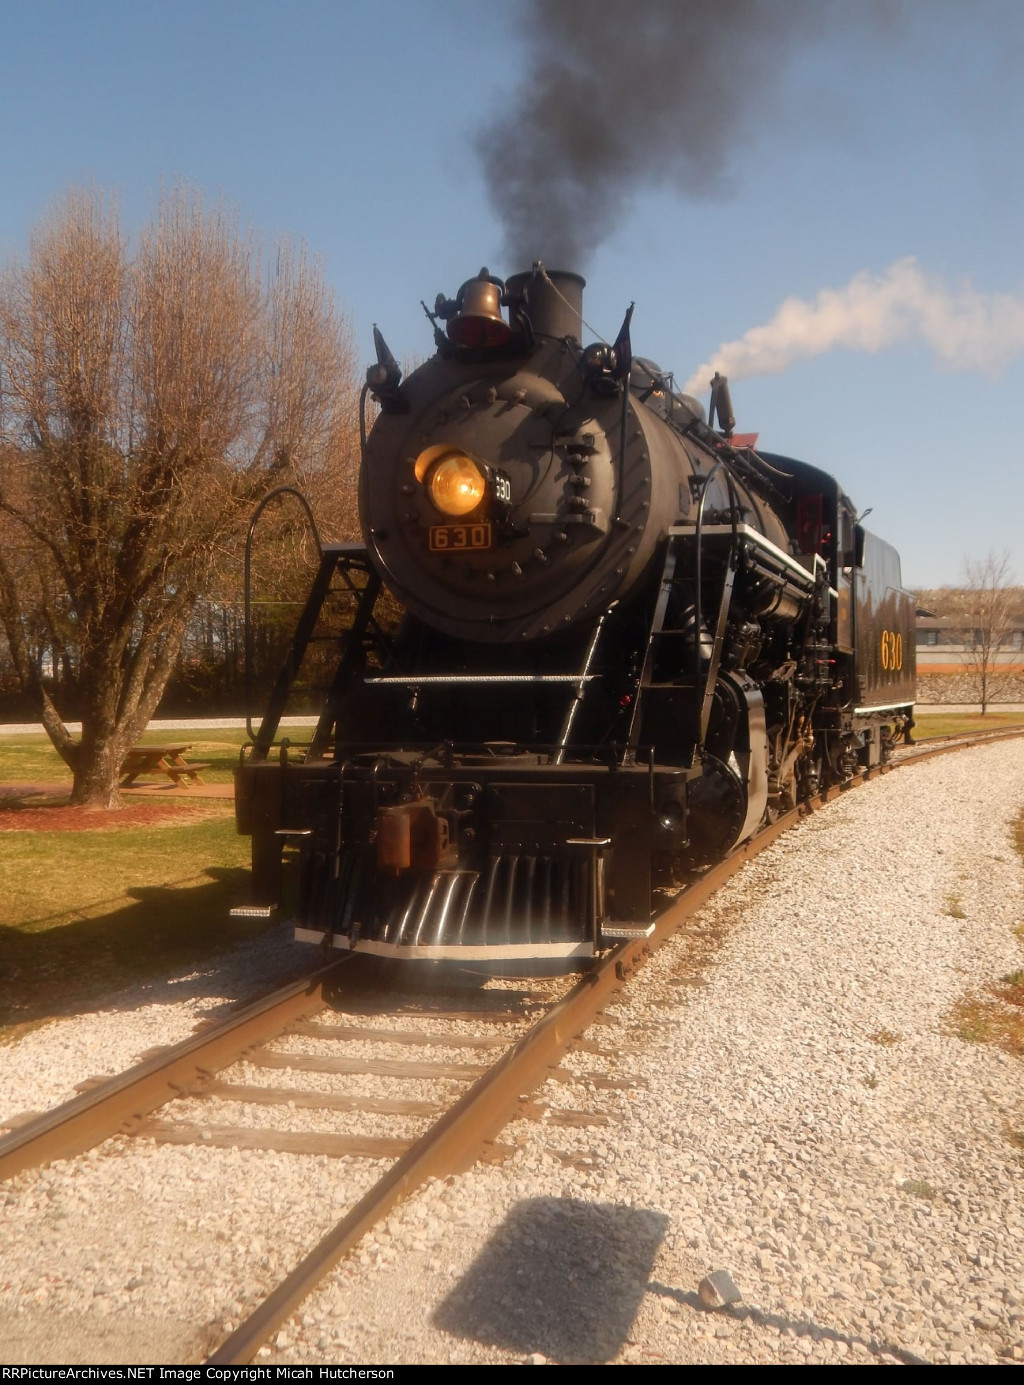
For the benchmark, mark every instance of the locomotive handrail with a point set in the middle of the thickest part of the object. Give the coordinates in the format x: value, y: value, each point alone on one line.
x: 247, y: 592
x: 705, y: 704
x: 759, y: 541
x: 582, y: 679
x: 415, y: 679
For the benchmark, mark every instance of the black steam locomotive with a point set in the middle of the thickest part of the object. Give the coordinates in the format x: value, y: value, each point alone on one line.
x: 628, y: 640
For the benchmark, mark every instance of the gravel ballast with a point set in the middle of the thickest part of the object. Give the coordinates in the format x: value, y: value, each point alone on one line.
x: 796, y: 1109
x: 45, y: 1066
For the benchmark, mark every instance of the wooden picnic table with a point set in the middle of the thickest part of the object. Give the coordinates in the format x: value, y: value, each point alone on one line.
x: 163, y: 759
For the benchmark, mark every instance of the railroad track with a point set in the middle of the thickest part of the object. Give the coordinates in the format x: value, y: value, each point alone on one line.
x: 497, y: 1049
x: 956, y: 740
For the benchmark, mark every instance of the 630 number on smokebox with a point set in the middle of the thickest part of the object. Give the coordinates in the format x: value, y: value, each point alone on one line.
x: 452, y: 538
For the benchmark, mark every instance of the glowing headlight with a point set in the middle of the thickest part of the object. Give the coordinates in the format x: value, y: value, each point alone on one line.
x: 456, y: 484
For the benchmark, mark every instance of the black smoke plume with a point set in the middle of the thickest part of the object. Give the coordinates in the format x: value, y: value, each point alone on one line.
x: 624, y: 94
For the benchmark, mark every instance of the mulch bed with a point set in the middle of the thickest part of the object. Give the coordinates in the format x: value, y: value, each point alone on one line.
x: 45, y: 808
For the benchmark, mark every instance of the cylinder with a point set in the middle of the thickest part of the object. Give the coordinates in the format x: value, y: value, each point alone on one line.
x: 554, y: 304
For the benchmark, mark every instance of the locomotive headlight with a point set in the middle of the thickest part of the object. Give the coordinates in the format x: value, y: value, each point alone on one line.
x: 455, y: 483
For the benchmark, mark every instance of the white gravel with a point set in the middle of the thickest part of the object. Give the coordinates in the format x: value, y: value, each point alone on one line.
x: 45, y: 1066
x: 798, y: 1113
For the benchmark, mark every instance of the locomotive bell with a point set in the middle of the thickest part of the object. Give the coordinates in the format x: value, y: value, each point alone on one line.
x: 477, y: 321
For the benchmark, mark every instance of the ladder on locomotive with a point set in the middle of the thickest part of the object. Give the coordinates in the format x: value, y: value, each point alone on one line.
x: 359, y: 584
x: 365, y: 636
x: 674, y: 670
x: 577, y: 682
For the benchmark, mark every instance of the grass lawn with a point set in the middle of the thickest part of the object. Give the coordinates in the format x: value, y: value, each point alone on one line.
x: 86, y: 913
x: 53, y: 879
x: 954, y: 723
x: 31, y: 759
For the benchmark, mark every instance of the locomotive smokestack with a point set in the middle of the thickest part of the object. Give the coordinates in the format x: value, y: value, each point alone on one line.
x: 552, y: 300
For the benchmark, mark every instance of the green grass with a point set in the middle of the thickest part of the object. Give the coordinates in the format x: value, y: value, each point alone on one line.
x: 956, y: 723
x: 954, y: 907
x: 87, y: 913
x: 917, y: 1187
x: 31, y: 759
x: 51, y: 879
x: 994, y: 1016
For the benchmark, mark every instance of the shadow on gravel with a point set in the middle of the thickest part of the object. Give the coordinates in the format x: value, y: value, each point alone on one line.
x: 559, y: 1277
x: 108, y: 961
x: 795, y: 1327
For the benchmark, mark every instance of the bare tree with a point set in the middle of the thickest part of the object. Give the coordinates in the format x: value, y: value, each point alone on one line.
x: 146, y: 401
x: 982, y: 618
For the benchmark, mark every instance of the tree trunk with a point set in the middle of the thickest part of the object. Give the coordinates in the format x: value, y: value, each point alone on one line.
x: 98, y: 755
x: 97, y: 771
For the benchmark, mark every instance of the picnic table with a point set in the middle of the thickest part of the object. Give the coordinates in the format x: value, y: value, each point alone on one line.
x: 163, y: 759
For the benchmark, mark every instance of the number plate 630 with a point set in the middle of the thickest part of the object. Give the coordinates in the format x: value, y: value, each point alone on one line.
x: 455, y: 538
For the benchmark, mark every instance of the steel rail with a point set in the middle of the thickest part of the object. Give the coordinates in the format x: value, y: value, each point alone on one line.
x: 459, y: 1137
x: 110, y: 1106
x: 958, y: 740
x: 462, y: 1134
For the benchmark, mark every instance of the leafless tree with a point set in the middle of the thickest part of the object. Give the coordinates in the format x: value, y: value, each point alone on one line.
x: 147, y: 400
x: 983, y: 613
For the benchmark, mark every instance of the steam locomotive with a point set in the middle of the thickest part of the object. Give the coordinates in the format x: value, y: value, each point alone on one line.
x: 628, y: 638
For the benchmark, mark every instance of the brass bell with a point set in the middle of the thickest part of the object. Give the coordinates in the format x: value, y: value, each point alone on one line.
x: 477, y: 322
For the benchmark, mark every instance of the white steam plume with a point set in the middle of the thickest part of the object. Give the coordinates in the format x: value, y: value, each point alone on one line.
x: 965, y: 330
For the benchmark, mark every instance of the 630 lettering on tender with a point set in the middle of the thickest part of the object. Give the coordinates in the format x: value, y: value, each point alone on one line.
x: 892, y: 650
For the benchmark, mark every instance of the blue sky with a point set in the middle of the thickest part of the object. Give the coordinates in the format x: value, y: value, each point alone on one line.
x: 351, y: 126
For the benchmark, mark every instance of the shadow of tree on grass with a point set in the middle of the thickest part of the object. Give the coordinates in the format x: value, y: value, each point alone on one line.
x: 153, y: 943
